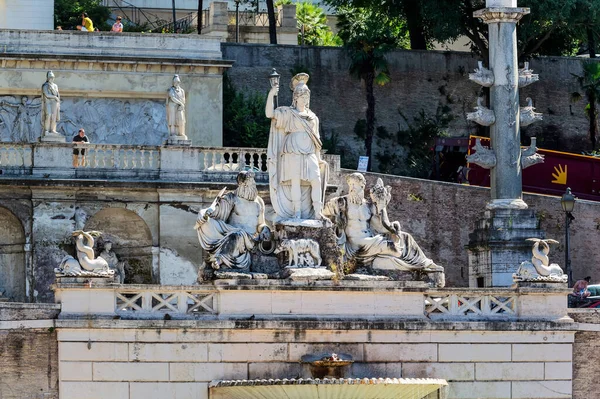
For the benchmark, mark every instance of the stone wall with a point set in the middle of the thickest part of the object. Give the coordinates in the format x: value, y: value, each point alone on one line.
x: 28, y: 351
x: 585, y: 349
x: 421, y: 80
x: 128, y: 360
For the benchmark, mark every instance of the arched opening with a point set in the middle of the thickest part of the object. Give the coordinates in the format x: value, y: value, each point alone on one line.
x: 12, y: 257
x: 131, y: 242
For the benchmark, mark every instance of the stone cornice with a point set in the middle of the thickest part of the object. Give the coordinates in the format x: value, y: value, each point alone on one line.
x: 89, y: 63
x: 501, y: 14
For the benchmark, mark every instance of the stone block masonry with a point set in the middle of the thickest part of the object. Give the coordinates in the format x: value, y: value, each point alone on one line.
x: 141, y: 359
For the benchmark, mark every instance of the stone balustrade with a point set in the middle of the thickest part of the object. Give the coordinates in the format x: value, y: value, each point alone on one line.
x: 112, y: 161
x: 344, y: 299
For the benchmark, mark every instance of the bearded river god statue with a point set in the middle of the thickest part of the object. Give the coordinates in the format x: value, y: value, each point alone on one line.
x: 369, y: 238
x: 297, y: 174
x: 232, y: 226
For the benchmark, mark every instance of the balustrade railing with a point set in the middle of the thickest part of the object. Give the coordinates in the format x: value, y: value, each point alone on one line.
x: 141, y: 301
x: 99, y: 156
x: 467, y: 304
x: 107, y: 161
x: 15, y: 157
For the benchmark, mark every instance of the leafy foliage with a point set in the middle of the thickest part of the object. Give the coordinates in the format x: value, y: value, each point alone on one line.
x: 313, y: 28
x: 589, y: 83
x: 417, y: 139
x: 244, y: 121
x: 368, y: 36
x: 554, y: 27
x: 67, y: 13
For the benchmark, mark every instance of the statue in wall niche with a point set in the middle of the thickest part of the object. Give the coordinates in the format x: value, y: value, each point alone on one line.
x: 231, y: 227
x: 50, y: 105
x: 86, y: 263
x: 368, y: 236
x: 297, y: 174
x: 113, y: 262
x: 176, y: 110
x: 539, y: 268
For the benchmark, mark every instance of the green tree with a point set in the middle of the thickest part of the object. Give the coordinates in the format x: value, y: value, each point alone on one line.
x: 553, y: 27
x: 589, y: 83
x: 244, y: 122
x: 67, y: 13
x: 272, y: 22
x: 312, y: 24
x: 409, y: 11
x: 368, y: 36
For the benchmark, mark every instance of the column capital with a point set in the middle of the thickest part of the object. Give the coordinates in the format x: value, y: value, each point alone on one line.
x: 501, y: 14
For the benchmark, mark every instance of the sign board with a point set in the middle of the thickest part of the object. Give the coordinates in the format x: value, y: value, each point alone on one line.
x: 363, y: 163
x: 560, y: 170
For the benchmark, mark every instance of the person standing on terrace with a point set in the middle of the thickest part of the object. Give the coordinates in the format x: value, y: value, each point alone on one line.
x: 86, y: 23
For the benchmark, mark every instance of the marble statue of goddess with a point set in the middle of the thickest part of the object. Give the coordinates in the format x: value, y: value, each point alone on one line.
x: 297, y: 174
x: 176, y: 109
x: 50, y: 105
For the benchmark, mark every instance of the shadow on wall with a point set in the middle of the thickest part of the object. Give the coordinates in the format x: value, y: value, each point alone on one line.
x: 131, y: 239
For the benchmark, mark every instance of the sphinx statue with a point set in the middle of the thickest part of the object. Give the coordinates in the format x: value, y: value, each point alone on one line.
x: 86, y: 263
x: 231, y: 227
x: 297, y: 174
x: 368, y: 236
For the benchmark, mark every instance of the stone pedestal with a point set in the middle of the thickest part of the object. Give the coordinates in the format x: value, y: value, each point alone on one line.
x: 50, y: 137
x: 178, y: 140
x: 497, y: 246
x: 331, y: 252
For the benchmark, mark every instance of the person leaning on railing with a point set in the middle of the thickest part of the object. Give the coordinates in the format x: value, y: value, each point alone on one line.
x: 79, y: 139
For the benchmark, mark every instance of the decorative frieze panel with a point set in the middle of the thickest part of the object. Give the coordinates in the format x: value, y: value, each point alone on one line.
x: 181, y: 302
x: 469, y: 305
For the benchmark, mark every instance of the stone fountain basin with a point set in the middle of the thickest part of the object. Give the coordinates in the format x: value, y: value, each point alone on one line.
x: 327, y: 388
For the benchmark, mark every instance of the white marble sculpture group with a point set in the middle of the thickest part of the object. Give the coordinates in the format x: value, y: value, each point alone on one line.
x: 234, y: 225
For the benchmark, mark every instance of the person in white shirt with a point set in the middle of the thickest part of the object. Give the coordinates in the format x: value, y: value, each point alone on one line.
x: 117, y: 26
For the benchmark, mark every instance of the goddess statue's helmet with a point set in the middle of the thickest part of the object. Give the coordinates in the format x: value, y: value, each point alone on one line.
x: 298, y: 84
x: 49, y: 75
x: 176, y: 79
